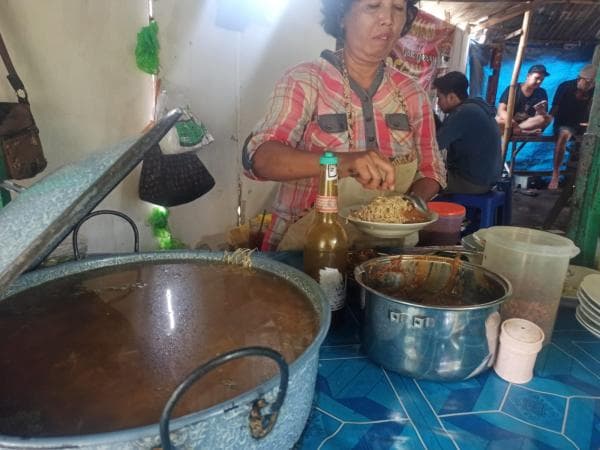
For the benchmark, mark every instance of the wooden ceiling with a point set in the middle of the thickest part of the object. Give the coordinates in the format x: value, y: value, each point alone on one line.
x: 553, y: 21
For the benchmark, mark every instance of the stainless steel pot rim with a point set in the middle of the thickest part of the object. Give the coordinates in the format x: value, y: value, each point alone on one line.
x: 358, y: 272
x: 303, y: 282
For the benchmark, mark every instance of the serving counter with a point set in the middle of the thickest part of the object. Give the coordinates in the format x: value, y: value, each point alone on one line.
x: 360, y: 405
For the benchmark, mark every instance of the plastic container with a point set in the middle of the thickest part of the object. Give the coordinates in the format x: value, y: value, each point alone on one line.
x: 535, y: 262
x: 446, y: 230
x: 520, y: 343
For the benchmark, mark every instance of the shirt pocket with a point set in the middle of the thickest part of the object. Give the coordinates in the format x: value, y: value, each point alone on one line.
x: 402, y: 138
x: 333, y: 123
x: 397, y: 122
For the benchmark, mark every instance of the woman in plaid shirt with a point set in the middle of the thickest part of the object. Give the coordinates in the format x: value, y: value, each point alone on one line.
x: 378, y: 120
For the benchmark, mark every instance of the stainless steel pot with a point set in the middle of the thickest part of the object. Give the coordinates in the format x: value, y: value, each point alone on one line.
x: 430, y: 340
x: 226, y: 425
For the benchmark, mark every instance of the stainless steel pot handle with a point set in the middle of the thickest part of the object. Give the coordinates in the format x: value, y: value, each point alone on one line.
x: 260, y: 424
x: 136, y: 233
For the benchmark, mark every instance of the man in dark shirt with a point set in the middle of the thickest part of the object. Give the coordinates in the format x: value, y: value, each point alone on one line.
x: 470, y: 135
x: 531, y: 104
x: 571, y: 110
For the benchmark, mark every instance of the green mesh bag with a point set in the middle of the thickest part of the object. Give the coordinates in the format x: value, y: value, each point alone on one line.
x: 146, y: 49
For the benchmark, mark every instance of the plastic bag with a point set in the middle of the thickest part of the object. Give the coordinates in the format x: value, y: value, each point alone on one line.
x: 189, y: 133
x: 146, y: 49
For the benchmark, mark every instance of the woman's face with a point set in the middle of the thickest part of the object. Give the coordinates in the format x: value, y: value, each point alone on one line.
x: 373, y: 26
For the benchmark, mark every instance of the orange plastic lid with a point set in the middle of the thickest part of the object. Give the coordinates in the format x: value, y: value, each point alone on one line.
x: 447, y: 208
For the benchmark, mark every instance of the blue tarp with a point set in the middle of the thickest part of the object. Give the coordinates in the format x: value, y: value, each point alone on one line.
x: 562, y: 62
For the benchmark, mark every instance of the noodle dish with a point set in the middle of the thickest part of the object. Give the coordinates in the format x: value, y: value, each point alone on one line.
x: 388, y: 217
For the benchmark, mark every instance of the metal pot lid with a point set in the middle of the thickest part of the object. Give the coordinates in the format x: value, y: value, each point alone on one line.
x: 39, y: 218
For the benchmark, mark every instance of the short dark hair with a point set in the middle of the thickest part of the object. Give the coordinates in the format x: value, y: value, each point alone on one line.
x: 334, y: 12
x: 453, y: 83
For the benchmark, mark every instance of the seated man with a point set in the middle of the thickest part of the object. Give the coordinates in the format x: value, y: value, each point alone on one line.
x: 470, y: 135
x: 571, y: 110
x: 531, y: 104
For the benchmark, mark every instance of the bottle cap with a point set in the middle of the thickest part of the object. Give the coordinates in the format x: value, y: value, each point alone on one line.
x: 328, y: 158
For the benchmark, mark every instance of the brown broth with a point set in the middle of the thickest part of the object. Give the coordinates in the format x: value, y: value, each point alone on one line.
x: 104, y: 351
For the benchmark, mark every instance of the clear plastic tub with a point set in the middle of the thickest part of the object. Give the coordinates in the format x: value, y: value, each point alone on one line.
x: 535, y: 262
x: 446, y: 230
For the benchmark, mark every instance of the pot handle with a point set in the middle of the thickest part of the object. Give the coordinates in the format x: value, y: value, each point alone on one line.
x: 136, y: 234
x: 260, y: 424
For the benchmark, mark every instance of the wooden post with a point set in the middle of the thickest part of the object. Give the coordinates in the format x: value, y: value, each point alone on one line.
x: 584, y: 227
x: 513, y: 84
x: 495, y: 63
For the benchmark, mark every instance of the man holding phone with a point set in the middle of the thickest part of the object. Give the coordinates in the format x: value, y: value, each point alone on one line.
x: 531, y: 104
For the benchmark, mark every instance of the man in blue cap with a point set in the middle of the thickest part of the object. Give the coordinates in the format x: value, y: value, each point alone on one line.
x: 531, y: 104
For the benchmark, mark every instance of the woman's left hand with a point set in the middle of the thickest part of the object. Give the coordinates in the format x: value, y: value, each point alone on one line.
x: 426, y: 188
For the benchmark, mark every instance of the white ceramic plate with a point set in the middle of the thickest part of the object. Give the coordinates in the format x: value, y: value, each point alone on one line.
x: 590, y: 314
x: 591, y: 287
x: 575, y: 275
x: 385, y: 230
x: 585, y: 323
x: 585, y: 299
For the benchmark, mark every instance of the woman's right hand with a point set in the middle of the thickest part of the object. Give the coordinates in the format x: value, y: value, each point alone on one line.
x: 369, y: 168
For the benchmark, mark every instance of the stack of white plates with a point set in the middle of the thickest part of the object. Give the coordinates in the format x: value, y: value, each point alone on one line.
x: 588, y: 311
x: 575, y: 276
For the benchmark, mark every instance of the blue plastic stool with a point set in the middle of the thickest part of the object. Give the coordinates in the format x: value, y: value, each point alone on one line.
x: 492, y: 208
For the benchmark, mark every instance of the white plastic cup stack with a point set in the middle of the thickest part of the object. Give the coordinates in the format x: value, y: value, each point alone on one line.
x: 520, y: 343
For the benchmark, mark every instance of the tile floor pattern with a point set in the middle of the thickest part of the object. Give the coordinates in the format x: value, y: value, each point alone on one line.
x: 359, y: 405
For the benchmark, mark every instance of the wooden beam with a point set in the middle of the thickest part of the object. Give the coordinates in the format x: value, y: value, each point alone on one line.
x: 512, y: 12
x: 512, y: 35
x: 512, y: 92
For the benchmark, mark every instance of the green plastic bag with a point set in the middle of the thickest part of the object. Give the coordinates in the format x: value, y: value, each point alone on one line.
x: 191, y: 133
x: 146, y: 49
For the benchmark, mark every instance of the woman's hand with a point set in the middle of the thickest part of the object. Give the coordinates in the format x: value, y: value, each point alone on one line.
x: 426, y: 188
x: 369, y: 168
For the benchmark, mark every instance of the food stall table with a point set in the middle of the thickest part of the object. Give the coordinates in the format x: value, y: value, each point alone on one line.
x: 360, y: 405
x: 519, y: 141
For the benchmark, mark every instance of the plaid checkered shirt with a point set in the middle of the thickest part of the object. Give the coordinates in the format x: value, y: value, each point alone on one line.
x: 307, y: 111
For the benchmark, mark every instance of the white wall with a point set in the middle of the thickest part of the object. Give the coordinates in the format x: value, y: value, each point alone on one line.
x: 76, y: 58
x: 227, y: 77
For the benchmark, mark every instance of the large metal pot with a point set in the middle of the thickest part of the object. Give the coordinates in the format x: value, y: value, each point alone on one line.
x: 414, y: 333
x: 226, y: 425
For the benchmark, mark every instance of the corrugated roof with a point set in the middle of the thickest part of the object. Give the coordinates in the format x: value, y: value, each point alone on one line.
x: 552, y: 20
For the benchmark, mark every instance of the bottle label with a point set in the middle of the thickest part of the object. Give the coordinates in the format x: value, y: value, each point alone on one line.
x: 333, y: 283
x: 326, y: 204
x: 331, y: 172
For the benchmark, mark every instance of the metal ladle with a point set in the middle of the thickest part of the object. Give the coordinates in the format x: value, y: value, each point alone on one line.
x: 418, y: 203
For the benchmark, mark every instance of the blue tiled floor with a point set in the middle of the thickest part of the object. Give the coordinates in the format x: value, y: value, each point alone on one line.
x: 359, y: 405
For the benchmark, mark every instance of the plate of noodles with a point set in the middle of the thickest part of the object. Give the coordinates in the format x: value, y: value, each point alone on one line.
x: 388, y: 217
